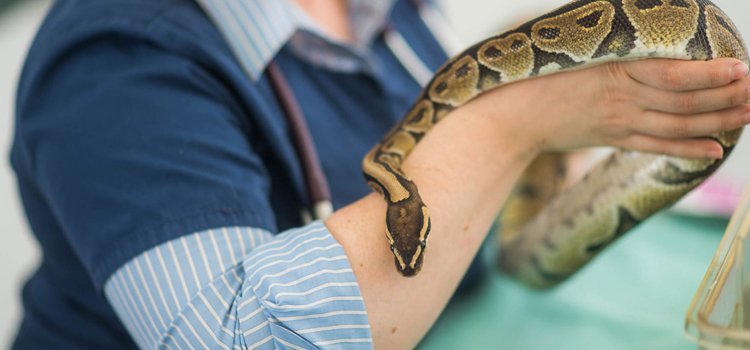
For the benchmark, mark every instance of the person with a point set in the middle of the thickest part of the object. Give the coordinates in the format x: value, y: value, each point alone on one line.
x: 158, y: 175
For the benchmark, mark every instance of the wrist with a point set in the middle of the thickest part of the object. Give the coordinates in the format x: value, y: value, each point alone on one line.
x: 501, y: 128
x: 467, y: 164
x: 464, y: 169
x: 508, y: 118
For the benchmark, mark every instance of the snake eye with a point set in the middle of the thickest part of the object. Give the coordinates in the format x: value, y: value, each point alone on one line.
x: 424, y: 244
x: 392, y: 247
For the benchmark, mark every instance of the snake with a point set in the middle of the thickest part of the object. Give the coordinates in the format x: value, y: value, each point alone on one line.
x: 547, y: 231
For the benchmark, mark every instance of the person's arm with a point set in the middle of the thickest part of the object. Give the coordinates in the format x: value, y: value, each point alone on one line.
x: 466, y: 166
x: 148, y: 160
x: 240, y: 287
x: 133, y: 146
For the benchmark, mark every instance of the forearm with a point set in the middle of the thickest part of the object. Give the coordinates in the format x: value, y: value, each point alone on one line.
x: 466, y: 166
x: 465, y: 169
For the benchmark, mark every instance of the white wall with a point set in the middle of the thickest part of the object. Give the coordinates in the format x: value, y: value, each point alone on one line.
x: 19, y: 253
x: 476, y: 19
x: 473, y: 20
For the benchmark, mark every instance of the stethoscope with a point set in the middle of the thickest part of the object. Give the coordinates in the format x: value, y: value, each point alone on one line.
x: 319, y: 193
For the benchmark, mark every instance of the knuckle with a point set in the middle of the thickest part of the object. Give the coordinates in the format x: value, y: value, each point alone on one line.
x: 615, y: 95
x: 720, y: 77
x: 681, y: 129
x: 673, y: 78
x: 730, y: 123
x: 626, y: 143
x: 686, y: 103
x: 741, y: 95
x: 657, y: 148
x: 612, y: 98
x: 616, y: 74
x: 622, y: 122
x: 725, y: 124
x: 736, y: 123
x: 615, y: 70
x: 613, y: 129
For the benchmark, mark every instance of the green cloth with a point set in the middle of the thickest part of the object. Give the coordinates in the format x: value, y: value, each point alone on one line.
x: 633, y: 296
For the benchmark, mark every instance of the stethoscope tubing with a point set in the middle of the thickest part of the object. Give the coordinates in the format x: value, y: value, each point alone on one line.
x: 319, y: 192
x: 315, y: 180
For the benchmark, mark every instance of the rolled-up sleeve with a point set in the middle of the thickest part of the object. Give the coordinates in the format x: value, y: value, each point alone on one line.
x: 139, y: 152
x: 242, y: 288
x: 132, y: 145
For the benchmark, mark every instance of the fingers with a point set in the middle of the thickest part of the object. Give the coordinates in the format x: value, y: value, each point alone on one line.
x: 696, y: 101
x: 690, y: 148
x: 667, y: 125
x: 672, y: 75
x: 682, y: 101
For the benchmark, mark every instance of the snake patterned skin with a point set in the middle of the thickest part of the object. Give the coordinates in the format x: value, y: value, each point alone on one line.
x: 542, y: 244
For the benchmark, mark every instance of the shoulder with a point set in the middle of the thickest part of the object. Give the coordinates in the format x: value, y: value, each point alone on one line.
x: 71, y: 18
x: 176, y: 26
x: 130, y: 127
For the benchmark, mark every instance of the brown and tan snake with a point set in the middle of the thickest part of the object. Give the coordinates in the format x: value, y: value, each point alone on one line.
x: 548, y: 234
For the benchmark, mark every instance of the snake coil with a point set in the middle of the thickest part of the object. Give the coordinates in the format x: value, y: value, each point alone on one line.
x: 548, y: 234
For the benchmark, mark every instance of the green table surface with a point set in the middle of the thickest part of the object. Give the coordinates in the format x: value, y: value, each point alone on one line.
x: 632, y: 296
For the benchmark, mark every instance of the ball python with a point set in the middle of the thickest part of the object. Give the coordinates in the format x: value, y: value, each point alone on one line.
x: 549, y: 233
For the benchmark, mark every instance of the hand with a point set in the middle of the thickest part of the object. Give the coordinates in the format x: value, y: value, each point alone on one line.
x: 465, y: 168
x: 654, y: 105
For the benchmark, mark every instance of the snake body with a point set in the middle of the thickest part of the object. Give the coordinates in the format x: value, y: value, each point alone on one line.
x: 549, y: 233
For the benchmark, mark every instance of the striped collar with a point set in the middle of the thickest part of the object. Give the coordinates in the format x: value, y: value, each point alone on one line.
x: 257, y: 29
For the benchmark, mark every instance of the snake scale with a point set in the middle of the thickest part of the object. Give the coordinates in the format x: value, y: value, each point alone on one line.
x: 549, y: 232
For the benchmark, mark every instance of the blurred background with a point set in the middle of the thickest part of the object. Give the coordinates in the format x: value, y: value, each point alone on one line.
x: 473, y: 20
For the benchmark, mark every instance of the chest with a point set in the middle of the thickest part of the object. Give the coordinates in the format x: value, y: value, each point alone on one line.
x: 346, y: 113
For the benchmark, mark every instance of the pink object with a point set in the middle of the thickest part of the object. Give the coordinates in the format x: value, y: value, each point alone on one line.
x: 715, y: 197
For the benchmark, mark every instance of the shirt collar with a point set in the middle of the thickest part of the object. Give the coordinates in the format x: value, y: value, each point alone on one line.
x: 257, y: 29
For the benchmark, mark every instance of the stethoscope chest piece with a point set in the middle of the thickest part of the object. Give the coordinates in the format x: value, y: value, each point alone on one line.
x: 320, y: 211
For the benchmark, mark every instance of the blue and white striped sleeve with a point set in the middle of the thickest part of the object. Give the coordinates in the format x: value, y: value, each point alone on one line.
x: 242, y: 288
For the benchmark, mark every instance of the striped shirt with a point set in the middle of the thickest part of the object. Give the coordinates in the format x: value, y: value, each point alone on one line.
x: 257, y: 29
x: 243, y: 287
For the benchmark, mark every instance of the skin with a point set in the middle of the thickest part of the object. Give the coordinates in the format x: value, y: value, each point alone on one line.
x: 466, y: 166
x: 331, y: 15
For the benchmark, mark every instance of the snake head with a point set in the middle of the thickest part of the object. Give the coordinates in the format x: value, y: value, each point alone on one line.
x: 407, y: 229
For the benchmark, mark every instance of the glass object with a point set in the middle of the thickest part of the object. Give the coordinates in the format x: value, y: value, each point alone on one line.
x: 719, y: 316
